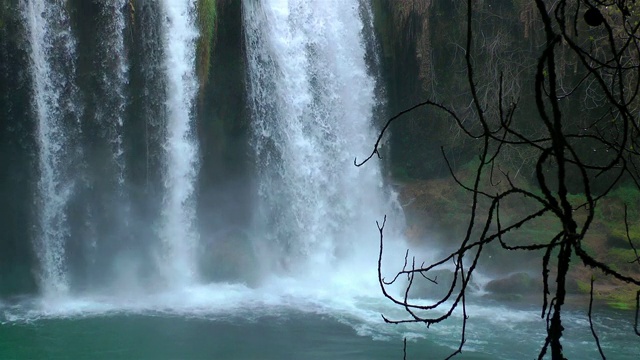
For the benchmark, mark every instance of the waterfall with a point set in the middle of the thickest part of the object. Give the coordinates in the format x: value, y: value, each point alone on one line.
x: 114, y: 100
x: 52, y: 54
x: 112, y: 81
x: 96, y: 191
x: 181, y: 165
x: 312, y: 99
x: 102, y: 226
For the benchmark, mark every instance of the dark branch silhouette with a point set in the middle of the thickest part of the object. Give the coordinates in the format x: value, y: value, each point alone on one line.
x: 563, y: 158
x: 593, y: 331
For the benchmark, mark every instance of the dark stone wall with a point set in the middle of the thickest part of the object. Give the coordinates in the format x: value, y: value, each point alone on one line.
x: 413, y: 68
x: 16, y: 156
x: 225, y: 186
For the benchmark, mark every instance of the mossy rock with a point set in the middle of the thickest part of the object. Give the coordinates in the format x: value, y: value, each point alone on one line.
x: 515, y: 284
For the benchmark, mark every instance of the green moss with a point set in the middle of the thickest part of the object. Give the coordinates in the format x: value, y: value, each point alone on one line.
x: 620, y: 231
x: 576, y: 199
x: 528, y: 234
x: 207, y: 21
x: 620, y: 305
x: 583, y: 286
x: 612, y: 208
x: 610, y: 213
x: 631, y: 196
x: 623, y: 299
x: 619, y: 255
x: 618, y: 234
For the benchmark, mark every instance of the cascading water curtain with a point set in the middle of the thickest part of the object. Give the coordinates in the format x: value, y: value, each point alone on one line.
x: 113, y: 81
x: 84, y: 187
x: 178, y: 231
x: 52, y: 69
x: 312, y: 99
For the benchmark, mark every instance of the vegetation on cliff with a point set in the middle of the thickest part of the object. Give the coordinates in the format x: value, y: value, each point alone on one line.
x: 207, y: 23
x: 507, y: 46
x: 533, y: 109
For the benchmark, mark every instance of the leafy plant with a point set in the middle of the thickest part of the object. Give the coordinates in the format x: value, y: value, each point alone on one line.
x: 207, y: 23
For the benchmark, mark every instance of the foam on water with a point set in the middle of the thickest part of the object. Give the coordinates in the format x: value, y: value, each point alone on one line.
x: 491, y: 329
x: 358, y: 308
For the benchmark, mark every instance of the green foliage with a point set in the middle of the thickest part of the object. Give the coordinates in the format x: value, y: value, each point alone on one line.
x: 620, y: 255
x: 631, y: 196
x: 576, y: 199
x: 610, y: 212
x: 619, y: 234
x: 536, y: 232
x: 620, y: 305
x: 622, y: 299
x: 207, y: 21
x: 583, y: 286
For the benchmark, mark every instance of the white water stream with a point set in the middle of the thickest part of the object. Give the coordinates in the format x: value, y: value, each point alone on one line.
x: 114, y: 71
x: 63, y: 164
x: 52, y: 56
x: 312, y: 100
x: 181, y: 151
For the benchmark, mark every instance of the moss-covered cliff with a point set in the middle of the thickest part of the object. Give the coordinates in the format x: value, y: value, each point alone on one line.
x: 424, y: 58
x: 207, y: 23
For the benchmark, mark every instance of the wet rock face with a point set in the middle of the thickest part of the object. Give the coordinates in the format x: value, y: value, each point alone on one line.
x: 517, y: 283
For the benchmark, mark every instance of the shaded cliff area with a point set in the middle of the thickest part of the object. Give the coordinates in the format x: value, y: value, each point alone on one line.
x: 424, y: 59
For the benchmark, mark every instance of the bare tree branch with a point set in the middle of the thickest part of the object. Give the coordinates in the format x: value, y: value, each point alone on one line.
x: 560, y: 152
